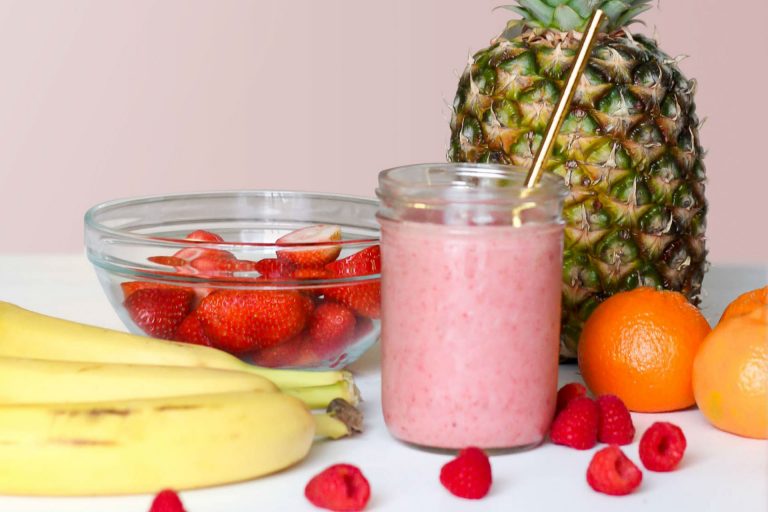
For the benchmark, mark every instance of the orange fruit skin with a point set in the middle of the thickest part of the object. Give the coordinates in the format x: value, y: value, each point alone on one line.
x: 730, y: 375
x: 746, y: 303
x: 640, y: 346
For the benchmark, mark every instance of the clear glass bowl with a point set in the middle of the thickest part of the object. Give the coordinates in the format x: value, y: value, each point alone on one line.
x: 235, y: 294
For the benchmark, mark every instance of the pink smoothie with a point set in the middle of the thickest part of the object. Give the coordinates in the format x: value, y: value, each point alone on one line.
x: 470, y: 333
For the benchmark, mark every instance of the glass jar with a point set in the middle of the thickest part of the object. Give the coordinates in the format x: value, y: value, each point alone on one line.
x: 471, y: 284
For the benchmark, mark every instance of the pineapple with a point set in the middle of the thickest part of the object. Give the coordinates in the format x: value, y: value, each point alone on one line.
x: 629, y: 148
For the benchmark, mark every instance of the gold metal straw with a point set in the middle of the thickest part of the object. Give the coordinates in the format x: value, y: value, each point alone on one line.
x: 558, y: 116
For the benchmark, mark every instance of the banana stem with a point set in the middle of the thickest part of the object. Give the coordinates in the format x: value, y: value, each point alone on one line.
x: 318, y: 397
x: 341, y: 420
x: 330, y: 427
x: 300, y: 378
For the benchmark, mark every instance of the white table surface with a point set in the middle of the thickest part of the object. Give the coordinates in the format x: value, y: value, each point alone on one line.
x: 719, y: 472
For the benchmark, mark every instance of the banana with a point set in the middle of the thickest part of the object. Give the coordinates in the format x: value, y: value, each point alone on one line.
x: 319, y: 397
x: 143, y: 446
x: 32, y: 335
x: 39, y: 381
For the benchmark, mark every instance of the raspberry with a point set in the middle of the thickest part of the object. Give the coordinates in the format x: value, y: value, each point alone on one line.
x: 341, y: 487
x: 567, y: 393
x: 576, y: 425
x: 611, y: 472
x: 167, y: 501
x: 468, y: 475
x: 662, y: 446
x: 615, y: 424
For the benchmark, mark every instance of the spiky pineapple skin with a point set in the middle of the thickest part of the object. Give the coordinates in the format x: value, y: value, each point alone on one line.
x: 629, y: 152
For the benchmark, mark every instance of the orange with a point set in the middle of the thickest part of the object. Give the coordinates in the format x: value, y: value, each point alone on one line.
x: 640, y: 345
x: 730, y: 375
x: 746, y: 303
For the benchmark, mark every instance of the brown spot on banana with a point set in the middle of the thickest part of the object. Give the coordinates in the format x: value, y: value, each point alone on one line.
x: 83, y: 442
x: 95, y: 412
x: 164, y: 408
x: 90, y: 368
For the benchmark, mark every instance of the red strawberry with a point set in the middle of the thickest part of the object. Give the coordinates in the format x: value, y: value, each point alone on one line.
x: 129, y: 287
x: 159, y: 311
x: 309, y: 305
x: 191, y: 331
x: 221, y: 264
x: 611, y: 472
x: 169, y: 261
x: 662, y: 446
x: 576, y: 425
x: 244, y: 320
x: 202, y: 235
x: 294, y: 353
x: 567, y: 393
x: 363, y: 298
x: 189, y: 254
x: 341, y: 487
x: 309, y: 274
x: 331, y: 328
x: 204, y: 262
x: 186, y: 256
x: 303, y: 273
x: 311, y: 256
x: 615, y: 425
x: 167, y: 501
x: 272, y: 268
x: 362, y: 263
x: 468, y: 475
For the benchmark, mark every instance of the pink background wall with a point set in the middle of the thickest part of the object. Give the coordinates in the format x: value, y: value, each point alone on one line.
x: 102, y: 99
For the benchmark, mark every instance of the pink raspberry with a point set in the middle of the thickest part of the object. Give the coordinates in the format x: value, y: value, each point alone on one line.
x: 576, y: 425
x: 567, y: 393
x: 615, y: 425
x: 468, y: 475
x: 662, y: 446
x: 341, y: 487
x: 611, y: 472
x: 167, y: 501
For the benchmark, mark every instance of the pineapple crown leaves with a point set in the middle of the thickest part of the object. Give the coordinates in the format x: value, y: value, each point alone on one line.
x: 568, y: 15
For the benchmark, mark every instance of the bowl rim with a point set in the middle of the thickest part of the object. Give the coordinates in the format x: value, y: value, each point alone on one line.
x: 91, y: 223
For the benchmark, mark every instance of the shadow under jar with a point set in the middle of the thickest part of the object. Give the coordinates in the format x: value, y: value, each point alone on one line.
x: 471, y: 283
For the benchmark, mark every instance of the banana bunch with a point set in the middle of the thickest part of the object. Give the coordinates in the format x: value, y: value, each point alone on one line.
x: 90, y: 411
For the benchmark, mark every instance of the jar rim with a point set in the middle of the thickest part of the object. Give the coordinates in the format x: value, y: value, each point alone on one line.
x: 456, y: 182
